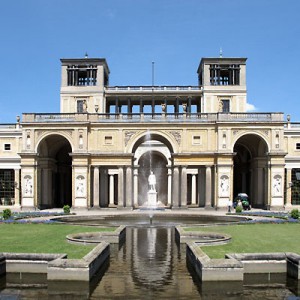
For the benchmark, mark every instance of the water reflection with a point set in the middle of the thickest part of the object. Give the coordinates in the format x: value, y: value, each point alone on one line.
x: 148, y: 265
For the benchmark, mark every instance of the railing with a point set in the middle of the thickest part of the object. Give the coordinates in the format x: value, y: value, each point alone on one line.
x: 292, y: 126
x: 152, y: 88
x: 9, y: 126
x: 155, y: 117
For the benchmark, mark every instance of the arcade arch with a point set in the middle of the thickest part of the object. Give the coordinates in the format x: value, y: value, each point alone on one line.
x: 54, y: 173
x: 250, y: 169
x: 153, y: 157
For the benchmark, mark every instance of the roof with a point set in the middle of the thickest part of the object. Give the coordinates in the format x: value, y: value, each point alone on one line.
x: 85, y: 60
x: 221, y: 60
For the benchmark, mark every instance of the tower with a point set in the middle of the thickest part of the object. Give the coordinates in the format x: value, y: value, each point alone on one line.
x: 82, y: 85
x: 224, y: 85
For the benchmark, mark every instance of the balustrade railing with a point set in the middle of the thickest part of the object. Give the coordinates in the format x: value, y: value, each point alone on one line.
x: 151, y: 117
x: 152, y: 88
x: 9, y: 126
x: 294, y: 125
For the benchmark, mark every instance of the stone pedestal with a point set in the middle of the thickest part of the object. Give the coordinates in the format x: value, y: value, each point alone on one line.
x: 152, y: 199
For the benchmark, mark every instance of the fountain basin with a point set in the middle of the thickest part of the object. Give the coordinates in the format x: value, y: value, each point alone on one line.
x: 97, y: 237
x: 143, y: 218
x: 201, y: 238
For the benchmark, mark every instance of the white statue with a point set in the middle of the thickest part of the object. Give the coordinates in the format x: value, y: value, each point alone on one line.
x: 224, y: 185
x: 28, y: 186
x: 152, y: 181
x: 277, y: 185
x: 80, y: 186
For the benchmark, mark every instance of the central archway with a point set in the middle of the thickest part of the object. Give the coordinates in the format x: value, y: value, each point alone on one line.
x: 54, y: 172
x: 250, y: 168
x: 152, y: 152
x: 152, y: 161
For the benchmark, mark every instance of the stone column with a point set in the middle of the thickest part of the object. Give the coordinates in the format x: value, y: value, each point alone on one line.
x: 288, y: 187
x: 177, y: 105
x: 17, y: 187
x: 46, y: 185
x: 189, y: 105
x: 200, y: 195
x: 260, y: 188
x: 208, y: 187
x: 117, y: 105
x: 153, y: 106
x: 128, y: 187
x: 175, y: 188
x: 121, y: 187
x: 96, y: 193
x: 193, y: 189
x: 169, y: 187
x: 183, y: 187
x: 135, y: 187
x: 103, y: 188
x: 141, y: 106
x: 129, y: 107
x: 111, y: 190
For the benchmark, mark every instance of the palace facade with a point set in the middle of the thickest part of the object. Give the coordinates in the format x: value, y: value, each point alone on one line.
x: 200, y: 142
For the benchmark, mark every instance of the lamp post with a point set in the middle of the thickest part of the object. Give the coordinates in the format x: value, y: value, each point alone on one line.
x: 153, y: 73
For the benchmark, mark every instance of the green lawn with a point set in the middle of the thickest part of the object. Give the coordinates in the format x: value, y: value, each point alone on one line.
x: 43, y: 238
x: 254, y: 238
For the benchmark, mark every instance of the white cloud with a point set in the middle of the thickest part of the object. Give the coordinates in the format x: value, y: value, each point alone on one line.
x: 250, y: 107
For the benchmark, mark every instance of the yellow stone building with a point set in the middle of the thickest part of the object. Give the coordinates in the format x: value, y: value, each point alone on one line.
x: 199, y: 142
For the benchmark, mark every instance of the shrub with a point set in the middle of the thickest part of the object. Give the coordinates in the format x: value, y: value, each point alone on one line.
x: 295, y: 214
x: 238, y: 209
x: 66, y: 209
x: 6, y: 214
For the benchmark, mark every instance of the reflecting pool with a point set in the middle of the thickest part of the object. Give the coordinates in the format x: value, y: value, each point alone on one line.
x: 148, y: 265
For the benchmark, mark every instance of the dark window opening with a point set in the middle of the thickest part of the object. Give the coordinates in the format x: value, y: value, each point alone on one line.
x: 7, y: 147
x: 82, y: 75
x: 225, y: 106
x: 80, y: 106
x: 295, y: 186
x: 298, y: 146
x: 224, y: 74
x: 7, y: 186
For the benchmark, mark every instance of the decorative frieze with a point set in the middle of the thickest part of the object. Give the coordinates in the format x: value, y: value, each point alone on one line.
x: 128, y: 136
x: 177, y: 135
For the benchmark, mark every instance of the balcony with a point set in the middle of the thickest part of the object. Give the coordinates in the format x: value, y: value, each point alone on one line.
x: 150, y: 91
x: 155, y: 117
x: 151, y: 88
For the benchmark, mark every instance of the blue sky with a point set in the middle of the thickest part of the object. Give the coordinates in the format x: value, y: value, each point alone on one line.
x: 130, y: 34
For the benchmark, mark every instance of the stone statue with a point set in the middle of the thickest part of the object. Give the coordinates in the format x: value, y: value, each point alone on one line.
x: 224, y: 185
x: 277, y: 185
x: 80, y: 190
x: 84, y: 106
x: 152, y: 181
x: 28, y: 186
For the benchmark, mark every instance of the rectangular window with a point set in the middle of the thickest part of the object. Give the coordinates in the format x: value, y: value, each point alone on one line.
x: 7, y: 184
x: 298, y: 146
x: 225, y: 106
x: 7, y: 147
x: 196, y: 140
x: 81, y: 106
x: 295, y: 187
x: 108, y: 140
